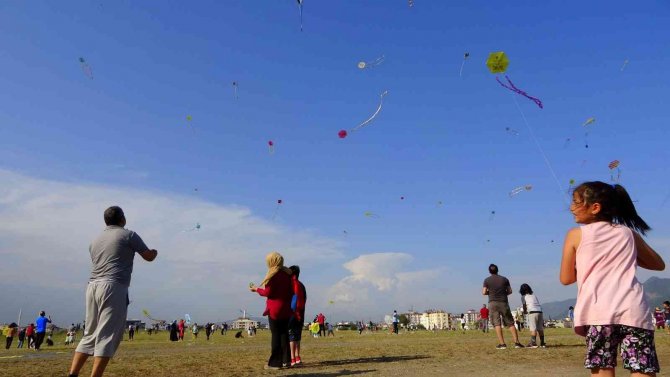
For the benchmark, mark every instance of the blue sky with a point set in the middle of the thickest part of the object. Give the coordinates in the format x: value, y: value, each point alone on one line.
x: 439, y: 137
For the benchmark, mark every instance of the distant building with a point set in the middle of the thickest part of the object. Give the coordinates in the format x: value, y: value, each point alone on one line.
x: 434, y: 319
x: 139, y: 325
x: 245, y: 323
x: 413, y: 317
x: 472, y: 317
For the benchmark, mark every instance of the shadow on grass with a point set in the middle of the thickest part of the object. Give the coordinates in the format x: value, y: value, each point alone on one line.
x: 343, y: 372
x: 566, y: 345
x: 365, y: 360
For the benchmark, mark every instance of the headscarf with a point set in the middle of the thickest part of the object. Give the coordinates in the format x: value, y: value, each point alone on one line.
x: 275, y: 264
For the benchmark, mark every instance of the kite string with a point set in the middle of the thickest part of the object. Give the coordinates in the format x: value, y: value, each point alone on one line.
x: 462, y: 65
x: 513, y: 88
x: 539, y: 147
x: 370, y: 119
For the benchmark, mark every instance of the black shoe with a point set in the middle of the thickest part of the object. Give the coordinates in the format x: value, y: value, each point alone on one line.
x: 518, y: 345
x: 532, y: 345
x: 501, y: 346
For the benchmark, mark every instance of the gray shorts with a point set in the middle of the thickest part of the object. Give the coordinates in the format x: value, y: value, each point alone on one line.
x: 106, y: 309
x: 535, y: 322
x: 499, y: 309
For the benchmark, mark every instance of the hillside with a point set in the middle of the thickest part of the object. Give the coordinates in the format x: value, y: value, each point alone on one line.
x: 656, y: 289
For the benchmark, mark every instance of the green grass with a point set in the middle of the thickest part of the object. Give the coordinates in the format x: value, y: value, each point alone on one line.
x: 420, y: 353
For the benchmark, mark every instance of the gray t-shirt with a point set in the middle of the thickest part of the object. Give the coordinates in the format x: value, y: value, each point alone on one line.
x: 112, y: 254
x: 497, y: 286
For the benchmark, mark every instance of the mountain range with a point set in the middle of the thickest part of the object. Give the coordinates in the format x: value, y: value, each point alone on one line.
x: 656, y: 290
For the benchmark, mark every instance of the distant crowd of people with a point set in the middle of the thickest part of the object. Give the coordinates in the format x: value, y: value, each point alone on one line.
x: 601, y: 256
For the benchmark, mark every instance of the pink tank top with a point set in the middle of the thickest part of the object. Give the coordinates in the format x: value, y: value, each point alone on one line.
x: 608, y: 293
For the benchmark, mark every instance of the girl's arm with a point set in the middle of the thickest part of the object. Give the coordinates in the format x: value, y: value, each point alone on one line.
x: 568, y: 262
x: 646, y: 256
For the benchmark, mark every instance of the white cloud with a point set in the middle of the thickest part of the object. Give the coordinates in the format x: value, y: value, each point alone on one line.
x: 46, y: 227
x: 380, y: 282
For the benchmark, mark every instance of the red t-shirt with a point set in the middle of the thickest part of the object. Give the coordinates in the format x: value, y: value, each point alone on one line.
x: 279, y: 292
x: 321, y: 319
x: 484, y: 313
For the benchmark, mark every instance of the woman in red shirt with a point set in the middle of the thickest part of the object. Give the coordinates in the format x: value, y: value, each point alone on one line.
x: 278, y: 289
x: 180, y: 327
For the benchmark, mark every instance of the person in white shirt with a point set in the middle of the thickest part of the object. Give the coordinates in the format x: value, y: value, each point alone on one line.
x: 531, y: 306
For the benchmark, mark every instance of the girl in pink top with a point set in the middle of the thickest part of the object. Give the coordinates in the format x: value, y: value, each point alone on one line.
x: 601, y: 256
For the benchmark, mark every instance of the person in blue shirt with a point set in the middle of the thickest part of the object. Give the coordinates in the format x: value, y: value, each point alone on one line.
x: 41, y: 329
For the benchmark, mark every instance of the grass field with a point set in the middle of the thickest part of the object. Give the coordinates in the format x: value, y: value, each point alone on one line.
x: 420, y: 353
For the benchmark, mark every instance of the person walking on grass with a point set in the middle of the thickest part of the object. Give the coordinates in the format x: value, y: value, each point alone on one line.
x: 41, y: 329
x: 112, y: 255
x: 195, y: 331
x: 531, y: 307
x: 22, y: 337
x: 321, y: 319
x: 396, y: 321
x: 602, y: 256
x: 11, y: 332
x: 297, y: 321
x: 484, y: 315
x: 497, y: 287
x: 666, y: 312
x: 30, y: 334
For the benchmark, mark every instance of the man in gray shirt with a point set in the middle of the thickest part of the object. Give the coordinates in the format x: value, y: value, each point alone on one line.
x: 498, y: 288
x: 112, y: 254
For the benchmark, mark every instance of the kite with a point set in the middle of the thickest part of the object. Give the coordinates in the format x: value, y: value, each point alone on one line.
x: 512, y: 131
x: 146, y: 314
x: 492, y: 215
x: 370, y: 214
x: 279, y: 203
x: 300, y: 8
x: 625, y: 63
x: 86, y: 68
x: 516, y: 90
x: 188, y: 319
x: 195, y: 228
x: 567, y: 142
x: 588, y: 122
x: 497, y: 62
x: 465, y: 57
x: 271, y: 147
x: 374, y: 63
x: 614, y: 165
x: 439, y: 203
x: 520, y: 189
x: 235, y: 89
x: 402, y: 198
x: 343, y: 133
x: 331, y: 302
x: 572, y: 184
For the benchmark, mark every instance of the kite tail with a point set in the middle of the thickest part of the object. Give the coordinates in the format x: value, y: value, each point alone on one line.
x: 513, y: 88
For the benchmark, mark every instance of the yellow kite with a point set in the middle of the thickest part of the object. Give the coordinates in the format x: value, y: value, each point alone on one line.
x: 497, y: 62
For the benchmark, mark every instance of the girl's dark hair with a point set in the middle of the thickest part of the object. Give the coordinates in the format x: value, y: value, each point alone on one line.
x: 525, y: 289
x: 616, y: 205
